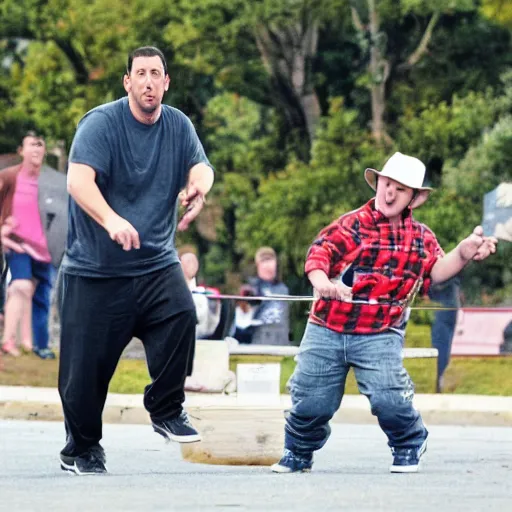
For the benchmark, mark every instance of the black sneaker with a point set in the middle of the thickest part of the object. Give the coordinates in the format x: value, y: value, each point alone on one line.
x: 177, y: 429
x: 92, y: 462
x: 407, y: 460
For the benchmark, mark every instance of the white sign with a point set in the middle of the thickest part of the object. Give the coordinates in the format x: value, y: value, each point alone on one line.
x: 259, y: 383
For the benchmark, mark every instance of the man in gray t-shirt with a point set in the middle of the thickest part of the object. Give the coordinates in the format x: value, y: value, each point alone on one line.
x: 131, y: 162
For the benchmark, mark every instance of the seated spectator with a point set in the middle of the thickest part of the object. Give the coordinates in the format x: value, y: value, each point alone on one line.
x: 245, y: 323
x: 272, y: 316
x: 201, y: 377
x: 207, y: 310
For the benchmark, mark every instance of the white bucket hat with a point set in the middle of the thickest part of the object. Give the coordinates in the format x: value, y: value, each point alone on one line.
x: 407, y: 170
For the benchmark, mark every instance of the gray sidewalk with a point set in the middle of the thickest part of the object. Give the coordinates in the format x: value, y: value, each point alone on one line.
x: 26, y: 403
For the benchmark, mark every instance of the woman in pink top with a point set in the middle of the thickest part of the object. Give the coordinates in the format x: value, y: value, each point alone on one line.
x: 25, y: 246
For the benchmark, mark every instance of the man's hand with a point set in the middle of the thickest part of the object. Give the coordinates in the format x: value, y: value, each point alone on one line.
x: 122, y: 232
x: 477, y: 246
x: 326, y: 289
x: 193, y: 200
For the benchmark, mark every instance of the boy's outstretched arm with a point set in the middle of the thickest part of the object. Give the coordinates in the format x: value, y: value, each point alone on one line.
x: 475, y: 247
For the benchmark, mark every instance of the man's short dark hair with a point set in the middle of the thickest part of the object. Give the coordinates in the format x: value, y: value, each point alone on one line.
x: 145, y: 51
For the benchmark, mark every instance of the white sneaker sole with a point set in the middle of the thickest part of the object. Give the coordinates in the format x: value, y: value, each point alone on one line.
x: 404, y: 469
x: 178, y: 439
x: 277, y: 468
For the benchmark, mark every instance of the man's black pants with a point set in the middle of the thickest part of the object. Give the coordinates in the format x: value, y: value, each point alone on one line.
x: 99, y: 317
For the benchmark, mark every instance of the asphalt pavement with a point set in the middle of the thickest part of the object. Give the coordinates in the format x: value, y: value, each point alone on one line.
x: 465, y: 468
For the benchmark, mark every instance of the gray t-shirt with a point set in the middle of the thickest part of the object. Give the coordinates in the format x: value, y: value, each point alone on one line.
x: 140, y: 170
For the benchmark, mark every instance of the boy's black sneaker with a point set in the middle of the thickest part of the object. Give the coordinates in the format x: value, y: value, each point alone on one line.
x: 407, y: 460
x: 91, y: 462
x: 177, y: 429
x: 292, y: 463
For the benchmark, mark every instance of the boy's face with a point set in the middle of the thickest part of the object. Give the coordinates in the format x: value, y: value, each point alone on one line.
x: 392, y: 198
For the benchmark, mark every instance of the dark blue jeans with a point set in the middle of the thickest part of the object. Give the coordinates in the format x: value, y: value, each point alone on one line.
x: 442, y: 332
x: 443, y: 328
x: 41, y: 304
x: 318, y: 383
x: 3, y: 284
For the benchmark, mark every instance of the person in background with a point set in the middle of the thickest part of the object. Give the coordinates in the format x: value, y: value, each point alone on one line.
x: 207, y: 310
x: 208, y: 318
x: 244, y: 322
x: 271, y: 315
x: 32, y: 230
x: 447, y: 294
x: 3, y: 277
x: 3, y: 284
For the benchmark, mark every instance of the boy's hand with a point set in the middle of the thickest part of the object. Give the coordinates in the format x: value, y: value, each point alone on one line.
x: 326, y: 289
x: 477, y: 246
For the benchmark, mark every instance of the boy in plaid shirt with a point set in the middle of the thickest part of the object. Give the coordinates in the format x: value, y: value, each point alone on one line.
x: 365, y: 268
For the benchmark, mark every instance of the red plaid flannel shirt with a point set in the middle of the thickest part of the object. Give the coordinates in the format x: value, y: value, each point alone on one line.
x: 389, y: 266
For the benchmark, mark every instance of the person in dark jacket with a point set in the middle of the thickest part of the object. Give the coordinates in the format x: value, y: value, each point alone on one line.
x: 271, y: 318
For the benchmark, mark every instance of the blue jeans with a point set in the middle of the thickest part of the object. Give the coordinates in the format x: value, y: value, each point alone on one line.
x: 41, y: 303
x: 318, y: 383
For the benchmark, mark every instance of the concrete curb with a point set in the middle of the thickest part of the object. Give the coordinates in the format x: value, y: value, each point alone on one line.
x: 18, y: 403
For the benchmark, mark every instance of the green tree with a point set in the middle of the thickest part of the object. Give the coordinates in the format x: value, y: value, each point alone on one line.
x: 295, y: 203
x: 497, y: 10
x: 374, y: 21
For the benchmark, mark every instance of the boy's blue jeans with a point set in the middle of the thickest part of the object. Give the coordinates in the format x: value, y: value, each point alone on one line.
x: 318, y: 383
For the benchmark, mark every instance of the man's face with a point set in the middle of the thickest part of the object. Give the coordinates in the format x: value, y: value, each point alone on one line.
x: 267, y: 269
x: 147, y: 83
x: 392, y: 198
x: 32, y: 151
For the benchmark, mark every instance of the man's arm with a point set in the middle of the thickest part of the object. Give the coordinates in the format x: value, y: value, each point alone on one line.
x: 81, y: 184
x: 201, y: 177
x: 475, y: 247
x: 200, y: 181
